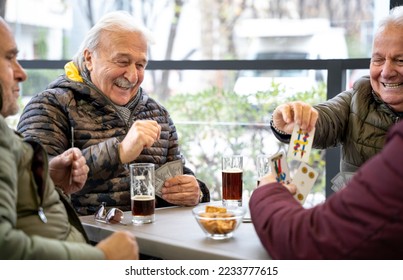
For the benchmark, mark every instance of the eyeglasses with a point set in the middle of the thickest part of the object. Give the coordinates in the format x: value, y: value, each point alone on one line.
x: 112, y: 216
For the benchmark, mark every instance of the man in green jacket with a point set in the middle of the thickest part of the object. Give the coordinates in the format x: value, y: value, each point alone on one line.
x: 356, y: 119
x: 36, y: 221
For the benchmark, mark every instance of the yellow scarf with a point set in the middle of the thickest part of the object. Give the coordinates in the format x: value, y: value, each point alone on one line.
x: 72, y: 72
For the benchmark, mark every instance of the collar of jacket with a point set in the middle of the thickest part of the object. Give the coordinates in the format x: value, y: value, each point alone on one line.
x: 386, y: 107
x: 72, y: 72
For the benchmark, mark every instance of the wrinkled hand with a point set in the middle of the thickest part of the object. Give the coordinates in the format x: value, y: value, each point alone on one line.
x: 285, y: 116
x: 271, y: 178
x: 121, y: 245
x: 142, y: 134
x: 70, y: 163
x: 181, y: 190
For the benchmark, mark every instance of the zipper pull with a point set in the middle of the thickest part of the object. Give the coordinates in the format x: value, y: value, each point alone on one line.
x: 42, y: 216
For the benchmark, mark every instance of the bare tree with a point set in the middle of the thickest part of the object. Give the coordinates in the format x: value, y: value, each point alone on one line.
x: 90, y: 13
x: 162, y: 90
x: 219, y: 19
x: 3, y: 8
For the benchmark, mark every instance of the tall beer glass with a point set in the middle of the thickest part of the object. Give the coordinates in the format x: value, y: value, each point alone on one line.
x: 142, y: 192
x: 232, y: 185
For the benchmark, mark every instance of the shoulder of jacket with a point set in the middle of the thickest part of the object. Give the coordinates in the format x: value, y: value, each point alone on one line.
x: 153, y: 104
x: 362, y: 83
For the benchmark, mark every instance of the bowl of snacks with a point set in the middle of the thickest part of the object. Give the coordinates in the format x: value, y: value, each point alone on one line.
x: 218, y: 222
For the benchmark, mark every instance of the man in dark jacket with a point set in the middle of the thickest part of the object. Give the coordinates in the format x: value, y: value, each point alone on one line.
x: 364, y: 220
x: 36, y: 221
x: 115, y: 122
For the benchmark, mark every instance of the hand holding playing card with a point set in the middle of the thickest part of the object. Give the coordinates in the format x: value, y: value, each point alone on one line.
x: 287, y: 115
x: 182, y: 190
x: 301, y: 185
x: 280, y: 168
x: 168, y: 170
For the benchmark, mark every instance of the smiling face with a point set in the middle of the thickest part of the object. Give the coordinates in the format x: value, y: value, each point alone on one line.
x: 11, y: 72
x: 117, y: 65
x: 386, y: 68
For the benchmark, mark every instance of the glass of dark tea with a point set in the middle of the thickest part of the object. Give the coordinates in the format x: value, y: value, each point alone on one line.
x: 142, y: 192
x: 232, y: 183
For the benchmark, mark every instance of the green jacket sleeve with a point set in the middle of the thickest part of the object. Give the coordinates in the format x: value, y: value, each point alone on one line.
x: 14, y: 242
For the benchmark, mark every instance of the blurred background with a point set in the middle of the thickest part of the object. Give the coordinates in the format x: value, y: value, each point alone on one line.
x: 219, y: 108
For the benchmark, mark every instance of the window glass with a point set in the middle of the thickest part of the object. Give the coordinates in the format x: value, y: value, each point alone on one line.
x: 206, y: 29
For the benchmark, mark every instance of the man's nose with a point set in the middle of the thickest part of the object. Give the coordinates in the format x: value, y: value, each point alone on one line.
x: 388, y: 69
x: 131, y: 74
x: 19, y: 72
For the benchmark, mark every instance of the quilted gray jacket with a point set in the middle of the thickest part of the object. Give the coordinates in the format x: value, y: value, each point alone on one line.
x: 98, y: 129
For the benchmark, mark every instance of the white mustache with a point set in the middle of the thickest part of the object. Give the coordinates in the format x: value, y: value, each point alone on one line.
x: 124, y: 83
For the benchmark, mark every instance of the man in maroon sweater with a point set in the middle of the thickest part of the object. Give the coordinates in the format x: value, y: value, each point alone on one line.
x: 362, y: 221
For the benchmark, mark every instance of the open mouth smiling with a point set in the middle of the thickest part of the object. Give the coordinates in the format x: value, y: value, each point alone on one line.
x: 124, y: 84
x: 390, y: 85
x: 124, y: 87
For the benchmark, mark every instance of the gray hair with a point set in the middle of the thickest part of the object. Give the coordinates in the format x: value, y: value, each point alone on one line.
x: 113, y: 21
x: 395, y: 18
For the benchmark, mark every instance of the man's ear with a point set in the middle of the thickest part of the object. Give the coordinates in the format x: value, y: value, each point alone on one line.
x: 88, y: 59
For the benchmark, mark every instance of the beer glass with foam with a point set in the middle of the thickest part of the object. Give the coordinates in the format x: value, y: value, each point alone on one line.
x: 232, y: 184
x: 142, y: 192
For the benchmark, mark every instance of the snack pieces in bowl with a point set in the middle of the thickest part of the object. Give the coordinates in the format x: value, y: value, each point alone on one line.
x: 218, y: 220
x: 215, y: 209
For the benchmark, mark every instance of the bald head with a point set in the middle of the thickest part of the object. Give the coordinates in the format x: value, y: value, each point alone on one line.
x: 4, y: 27
x: 11, y: 72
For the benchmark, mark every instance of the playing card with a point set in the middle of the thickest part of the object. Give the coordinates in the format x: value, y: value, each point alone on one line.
x: 175, y: 167
x: 159, y: 183
x: 280, y: 168
x: 161, y: 174
x: 348, y: 176
x: 340, y: 180
x: 300, y: 144
x: 337, y: 182
x: 166, y: 171
x: 304, y: 180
